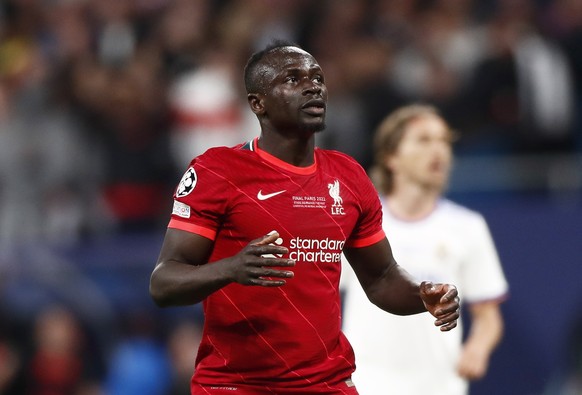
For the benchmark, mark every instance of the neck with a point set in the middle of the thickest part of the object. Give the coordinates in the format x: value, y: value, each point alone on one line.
x: 296, y: 150
x: 412, y: 202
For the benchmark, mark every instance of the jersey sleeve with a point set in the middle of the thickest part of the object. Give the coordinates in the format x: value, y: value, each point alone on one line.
x: 200, y: 199
x: 482, y: 277
x: 368, y: 228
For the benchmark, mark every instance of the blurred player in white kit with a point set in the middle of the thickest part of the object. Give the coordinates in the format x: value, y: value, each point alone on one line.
x: 432, y: 238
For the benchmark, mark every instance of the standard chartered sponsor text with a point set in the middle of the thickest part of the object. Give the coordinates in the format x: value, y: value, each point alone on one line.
x: 316, y: 250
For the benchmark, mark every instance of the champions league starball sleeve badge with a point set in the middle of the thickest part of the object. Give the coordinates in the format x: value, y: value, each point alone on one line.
x: 187, y: 183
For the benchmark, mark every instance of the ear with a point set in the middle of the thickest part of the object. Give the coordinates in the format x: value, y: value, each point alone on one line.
x: 256, y: 102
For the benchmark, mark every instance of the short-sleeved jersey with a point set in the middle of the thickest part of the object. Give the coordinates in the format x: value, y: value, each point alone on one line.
x: 283, y: 338
x: 406, y: 355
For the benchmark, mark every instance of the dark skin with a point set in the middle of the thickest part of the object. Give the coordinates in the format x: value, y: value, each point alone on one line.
x: 290, y: 107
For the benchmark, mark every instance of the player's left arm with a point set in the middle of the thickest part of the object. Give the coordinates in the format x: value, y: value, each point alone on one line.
x: 392, y: 289
x: 484, y: 336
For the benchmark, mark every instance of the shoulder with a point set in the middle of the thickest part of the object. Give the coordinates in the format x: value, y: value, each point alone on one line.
x: 221, y: 157
x: 335, y: 158
x: 218, y: 163
x: 459, y: 213
x: 220, y: 152
x: 335, y: 155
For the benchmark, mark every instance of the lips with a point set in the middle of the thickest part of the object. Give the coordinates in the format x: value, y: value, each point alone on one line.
x: 314, y: 107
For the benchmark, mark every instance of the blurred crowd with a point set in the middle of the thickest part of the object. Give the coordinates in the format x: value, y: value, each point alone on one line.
x: 61, y: 357
x: 104, y: 102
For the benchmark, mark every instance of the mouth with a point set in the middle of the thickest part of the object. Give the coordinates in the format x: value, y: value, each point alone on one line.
x: 314, y: 107
x: 438, y: 167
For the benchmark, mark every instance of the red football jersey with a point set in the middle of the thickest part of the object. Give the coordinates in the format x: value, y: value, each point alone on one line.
x: 289, y: 337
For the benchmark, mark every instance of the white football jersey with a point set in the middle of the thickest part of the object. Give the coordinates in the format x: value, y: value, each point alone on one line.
x: 408, y: 355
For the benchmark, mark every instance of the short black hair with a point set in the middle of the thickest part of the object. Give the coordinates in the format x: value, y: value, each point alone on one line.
x: 253, y: 84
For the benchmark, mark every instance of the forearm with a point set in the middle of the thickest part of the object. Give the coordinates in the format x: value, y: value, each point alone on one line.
x: 174, y: 283
x: 183, y: 275
x: 386, y: 284
x: 486, y: 332
x: 396, y: 292
x: 486, y: 328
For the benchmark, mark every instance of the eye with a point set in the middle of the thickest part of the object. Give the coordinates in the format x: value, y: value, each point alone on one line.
x: 318, y: 79
x: 423, y: 139
x: 291, y: 79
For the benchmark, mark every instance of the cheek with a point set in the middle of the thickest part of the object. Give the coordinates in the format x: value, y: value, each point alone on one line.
x: 278, y: 107
x: 407, y: 164
x: 414, y: 154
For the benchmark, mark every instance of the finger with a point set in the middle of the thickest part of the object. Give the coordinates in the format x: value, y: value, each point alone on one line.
x: 444, y: 309
x: 446, y: 324
x: 270, y: 237
x: 268, y: 251
x: 276, y: 273
x: 446, y: 319
x: 448, y: 327
x: 268, y: 246
x: 450, y: 295
x: 446, y: 313
x: 264, y: 282
x: 273, y: 262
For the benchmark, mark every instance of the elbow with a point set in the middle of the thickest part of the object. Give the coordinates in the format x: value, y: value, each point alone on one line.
x: 383, y: 303
x: 157, y: 297
x: 377, y: 298
x: 157, y: 293
x: 166, y: 291
x: 394, y: 308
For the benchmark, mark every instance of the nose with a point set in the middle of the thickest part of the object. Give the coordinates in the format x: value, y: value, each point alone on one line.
x: 313, y: 88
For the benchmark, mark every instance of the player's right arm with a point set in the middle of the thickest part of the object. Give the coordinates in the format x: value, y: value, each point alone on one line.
x: 183, y: 277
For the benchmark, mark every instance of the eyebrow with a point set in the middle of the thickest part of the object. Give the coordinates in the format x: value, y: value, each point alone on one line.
x: 297, y: 69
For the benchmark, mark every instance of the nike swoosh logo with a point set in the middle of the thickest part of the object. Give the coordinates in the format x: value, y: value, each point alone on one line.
x: 260, y: 195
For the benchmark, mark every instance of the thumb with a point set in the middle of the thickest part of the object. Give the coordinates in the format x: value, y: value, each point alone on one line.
x: 427, y: 287
x: 428, y: 292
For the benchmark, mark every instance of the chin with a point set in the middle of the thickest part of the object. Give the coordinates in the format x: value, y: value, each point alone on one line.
x: 314, y: 128
x: 439, y: 186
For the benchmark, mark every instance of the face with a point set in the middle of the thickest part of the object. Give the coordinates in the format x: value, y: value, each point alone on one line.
x: 295, y: 97
x: 424, y: 155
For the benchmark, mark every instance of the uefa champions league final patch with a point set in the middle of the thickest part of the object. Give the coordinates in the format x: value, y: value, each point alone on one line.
x: 187, y: 183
